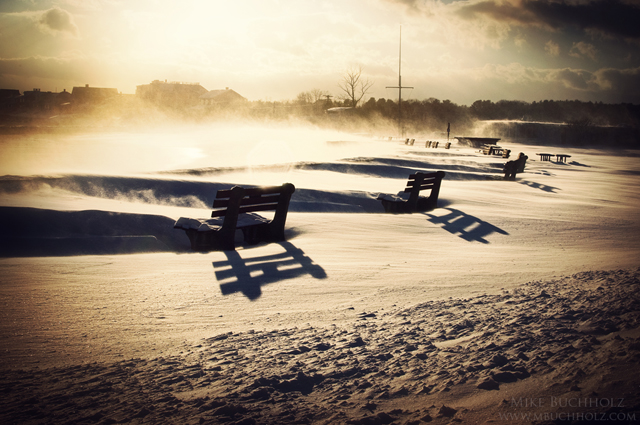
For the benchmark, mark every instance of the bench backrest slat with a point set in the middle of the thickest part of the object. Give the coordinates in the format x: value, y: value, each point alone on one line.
x: 424, y: 175
x: 223, y: 194
x: 252, y: 208
x: 423, y: 186
x: 428, y: 181
x: 420, y: 181
x: 257, y: 200
x: 221, y: 203
x: 254, y: 199
x: 253, y: 191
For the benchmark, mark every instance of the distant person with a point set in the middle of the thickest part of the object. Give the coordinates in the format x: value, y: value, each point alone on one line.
x: 511, y: 168
x: 522, y: 160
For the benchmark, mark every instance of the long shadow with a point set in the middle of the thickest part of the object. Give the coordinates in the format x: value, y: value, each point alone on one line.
x: 466, y: 226
x: 540, y: 186
x: 250, y: 274
x: 579, y: 164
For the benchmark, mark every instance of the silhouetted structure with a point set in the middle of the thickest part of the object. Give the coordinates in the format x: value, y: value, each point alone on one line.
x: 171, y: 94
x: 89, y: 96
x: 415, y: 203
x: 221, y: 97
x: 511, y: 168
x: 235, y: 209
x: 400, y: 87
x: 9, y: 98
x: 476, y: 142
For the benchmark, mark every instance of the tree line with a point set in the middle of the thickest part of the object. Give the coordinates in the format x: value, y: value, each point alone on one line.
x: 431, y: 114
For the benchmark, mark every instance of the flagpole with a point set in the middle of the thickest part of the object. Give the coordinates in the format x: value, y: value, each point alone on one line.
x: 400, y: 87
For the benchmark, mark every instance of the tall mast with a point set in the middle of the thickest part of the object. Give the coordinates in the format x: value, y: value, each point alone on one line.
x: 399, y: 87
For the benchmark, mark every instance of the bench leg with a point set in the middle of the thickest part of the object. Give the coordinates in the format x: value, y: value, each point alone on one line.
x: 211, y: 241
x: 395, y: 207
x: 266, y: 232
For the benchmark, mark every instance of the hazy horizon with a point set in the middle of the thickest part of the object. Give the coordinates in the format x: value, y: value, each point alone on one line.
x: 273, y: 50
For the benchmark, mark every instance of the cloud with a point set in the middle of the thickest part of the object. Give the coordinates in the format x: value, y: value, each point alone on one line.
x: 496, y: 10
x: 413, y: 6
x: 573, y: 79
x: 612, y: 18
x: 58, y: 20
x: 623, y: 80
x: 618, y: 85
x: 520, y: 41
x: 42, y: 67
x: 582, y: 49
x: 552, y: 48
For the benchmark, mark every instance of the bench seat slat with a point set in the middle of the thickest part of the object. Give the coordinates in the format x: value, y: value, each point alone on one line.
x: 206, y: 225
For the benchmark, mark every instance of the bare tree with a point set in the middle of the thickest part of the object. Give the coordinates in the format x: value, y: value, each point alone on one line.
x: 354, y: 86
x: 317, y: 94
x: 304, y: 98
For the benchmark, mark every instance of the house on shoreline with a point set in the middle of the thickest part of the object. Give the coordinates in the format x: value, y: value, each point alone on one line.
x: 90, y: 96
x: 173, y: 94
x: 221, y: 97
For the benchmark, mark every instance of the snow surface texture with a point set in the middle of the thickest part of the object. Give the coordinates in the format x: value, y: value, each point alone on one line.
x: 509, y: 291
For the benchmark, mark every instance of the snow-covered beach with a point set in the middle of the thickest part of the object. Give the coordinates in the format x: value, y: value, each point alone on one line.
x: 511, y: 298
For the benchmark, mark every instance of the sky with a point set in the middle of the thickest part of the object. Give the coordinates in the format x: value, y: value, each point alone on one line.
x: 272, y: 50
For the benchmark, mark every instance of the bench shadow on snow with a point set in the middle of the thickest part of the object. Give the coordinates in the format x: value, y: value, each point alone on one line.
x: 544, y: 187
x: 466, y: 226
x: 248, y: 275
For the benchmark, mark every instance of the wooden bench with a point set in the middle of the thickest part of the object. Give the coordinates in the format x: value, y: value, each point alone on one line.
x: 415, y: 203
x: 235, y: 209
x: 409, y: 142
x: 545, y: 156
x: 491, y: 150
x: 562, y: 158
x: 511, y: 168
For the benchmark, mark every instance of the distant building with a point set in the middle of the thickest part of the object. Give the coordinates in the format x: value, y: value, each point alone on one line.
x: 221, y: 97
x: 171, y: 94
x: 9, y: 94
x: 85, y: 96
x: 64, y: 97
x: 38, y: 100
x: 9, y: 98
